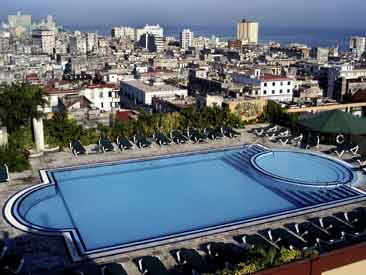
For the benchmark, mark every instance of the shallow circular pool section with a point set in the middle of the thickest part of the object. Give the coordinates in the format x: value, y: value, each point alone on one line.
x: 302, y: 168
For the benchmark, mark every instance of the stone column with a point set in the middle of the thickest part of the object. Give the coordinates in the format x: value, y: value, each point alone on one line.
x: 3, y: 136
x: 38, y: 134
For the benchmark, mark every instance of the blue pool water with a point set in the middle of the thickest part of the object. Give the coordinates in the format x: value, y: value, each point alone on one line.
x: 303, y: 168
x: 134, y: 202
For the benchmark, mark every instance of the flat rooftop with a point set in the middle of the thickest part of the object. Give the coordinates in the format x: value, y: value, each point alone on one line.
x: 148, y: 88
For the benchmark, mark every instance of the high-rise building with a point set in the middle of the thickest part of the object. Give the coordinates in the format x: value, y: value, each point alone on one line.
x: 44, y: 40
x: 357, y: 45
x: 155, y: 30
x: 20, y: 20
x: 151, y: 42
x: 124, y: 32
x: 78, y: 45
x: 247, y: 32
x: 91, y: 41
x: 320, y: 54
x: 186, y: 39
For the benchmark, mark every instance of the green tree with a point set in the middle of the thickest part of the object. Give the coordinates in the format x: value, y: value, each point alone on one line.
x: 15, y: 157
x: 19, y: 103
x: 62, y: 129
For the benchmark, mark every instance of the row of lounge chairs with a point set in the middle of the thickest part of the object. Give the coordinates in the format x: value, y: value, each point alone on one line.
x: 275, y: 133
x: 4, y: 173
x: 9, y: 263
x: 105, y: 145
x: 322, y: 233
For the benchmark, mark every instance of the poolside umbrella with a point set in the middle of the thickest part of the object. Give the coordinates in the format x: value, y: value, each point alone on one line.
x: 335, y: 122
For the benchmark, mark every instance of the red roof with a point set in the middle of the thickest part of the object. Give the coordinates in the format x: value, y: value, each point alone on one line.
x: 58, y: 91
x: 123, y: 115
x: 270, y: 77
x: 95, y: 86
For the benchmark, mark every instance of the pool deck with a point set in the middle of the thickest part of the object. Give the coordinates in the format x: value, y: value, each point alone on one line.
x: 46, y: 255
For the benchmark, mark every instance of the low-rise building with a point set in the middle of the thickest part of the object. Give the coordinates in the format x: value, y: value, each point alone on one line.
x: 271, y: 87
x: 142, y: 92
x: 104, y: 97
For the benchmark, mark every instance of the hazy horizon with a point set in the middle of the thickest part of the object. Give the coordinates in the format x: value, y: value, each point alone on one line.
x: 290, y: 13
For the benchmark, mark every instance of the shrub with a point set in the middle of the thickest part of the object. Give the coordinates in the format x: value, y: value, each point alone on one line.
x: 15, y: 158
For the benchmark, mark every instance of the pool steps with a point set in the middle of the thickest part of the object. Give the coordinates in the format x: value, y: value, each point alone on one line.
x: 301, y: 197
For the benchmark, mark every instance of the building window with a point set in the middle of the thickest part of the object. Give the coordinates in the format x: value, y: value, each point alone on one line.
x: 111, y: 104
x: 102, y: 105
x: 273, y: 83
x: 101, y: 94
x: 264, y: 92
x: 256, y: 92
x: 281, y: 83
x: 273, y: 92
x: 281, y: 91
x: 110, y: 94
x: 289, y: 91
x: 289, y: 83
x: 265, y: 84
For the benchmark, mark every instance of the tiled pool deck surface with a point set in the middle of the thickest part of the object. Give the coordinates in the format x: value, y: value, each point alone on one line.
x: 47, y: 255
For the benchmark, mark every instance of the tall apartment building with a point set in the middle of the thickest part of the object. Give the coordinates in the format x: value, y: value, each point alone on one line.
x: 155, y: 30
x: 91, y: 41
x: 247, y: 32
x: 320, y: 54
x: 20, y: 20
x: 151, y: 42
x: 44, y: 40
x: 78, y: 44
x: 357, y: 45
x: 124, y: 32
x: 186, y: 39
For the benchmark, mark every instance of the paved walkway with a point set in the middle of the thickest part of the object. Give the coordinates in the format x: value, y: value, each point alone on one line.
x: 45, y: 255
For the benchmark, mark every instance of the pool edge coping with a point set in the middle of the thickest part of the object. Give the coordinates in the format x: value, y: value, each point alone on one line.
x: 73, y: 242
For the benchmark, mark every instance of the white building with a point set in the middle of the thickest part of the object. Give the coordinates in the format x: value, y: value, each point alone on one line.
x: 44, y: 40
x: 124, y: 32
x: 20, y: 20
x: 78, y: 44
x: 267, y: 86
x: 104, y: 97
x: 247, y: 32
x: 155, y: 30
x: 186, y: 39
x: 338, y: 75
x: 91, y: 42
x: 357, y: 45
x: 142, y: 92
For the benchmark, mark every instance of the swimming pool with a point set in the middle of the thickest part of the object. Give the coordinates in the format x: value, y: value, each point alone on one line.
x: 116, y: 207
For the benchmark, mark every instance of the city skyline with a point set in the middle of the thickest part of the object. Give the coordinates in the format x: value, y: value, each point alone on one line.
x: 138, y: 12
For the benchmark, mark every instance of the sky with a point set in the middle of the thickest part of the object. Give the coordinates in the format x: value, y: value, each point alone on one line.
x: 311, y: 13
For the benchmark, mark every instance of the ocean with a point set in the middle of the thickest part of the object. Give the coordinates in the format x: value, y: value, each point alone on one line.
x: 313, y: 37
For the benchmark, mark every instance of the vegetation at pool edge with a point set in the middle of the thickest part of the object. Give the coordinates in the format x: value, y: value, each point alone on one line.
x: 259, y: 259
x: 19, y: 103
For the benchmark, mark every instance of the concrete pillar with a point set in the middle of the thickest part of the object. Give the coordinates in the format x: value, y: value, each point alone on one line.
x: 38, y: 134
x: 3, y: 136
